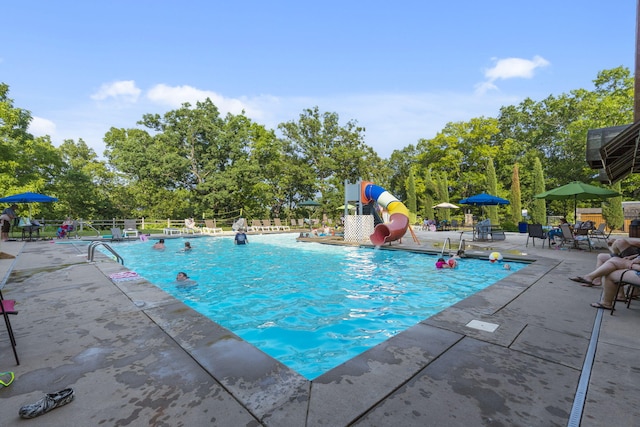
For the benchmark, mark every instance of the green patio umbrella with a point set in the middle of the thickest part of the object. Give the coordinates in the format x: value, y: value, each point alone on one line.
x: 577, y: 190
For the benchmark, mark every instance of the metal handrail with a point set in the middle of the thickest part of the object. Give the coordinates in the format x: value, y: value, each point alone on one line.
x: 462, y: 243
x: 98, y: 234
x: 444, y: 246
x: 92, y: 248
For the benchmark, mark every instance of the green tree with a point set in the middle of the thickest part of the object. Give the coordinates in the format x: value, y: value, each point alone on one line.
x: 332, y: 153
x: 411, y: 197
x: 85, y: 182
x: 538, y: 211
x: 492, y: 188
x: 430, y: 194
x: 443, y: 193
x: 516, y: 203
x: 612, y: 210
x: 26, y: 163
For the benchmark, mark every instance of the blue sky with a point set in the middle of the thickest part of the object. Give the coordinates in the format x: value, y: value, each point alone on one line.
x: 403, y: 70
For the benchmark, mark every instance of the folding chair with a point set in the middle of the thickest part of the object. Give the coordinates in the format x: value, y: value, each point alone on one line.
x: 601, y: 232
x: 7, y: 306
x: 629, y: 293
x: 536, y: 232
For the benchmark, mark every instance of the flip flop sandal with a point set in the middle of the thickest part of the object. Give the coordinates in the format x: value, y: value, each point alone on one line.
x: 581, y: 280
x: 598, y: 305
x: 47, y: 403
x: 3, y: 378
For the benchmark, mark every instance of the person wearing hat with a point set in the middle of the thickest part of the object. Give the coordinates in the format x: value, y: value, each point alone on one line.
x: 7, y: 217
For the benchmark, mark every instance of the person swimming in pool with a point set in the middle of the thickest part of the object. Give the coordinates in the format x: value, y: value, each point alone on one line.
x: 184, y: 281
x: 441, y: 263
x: 159, y: 245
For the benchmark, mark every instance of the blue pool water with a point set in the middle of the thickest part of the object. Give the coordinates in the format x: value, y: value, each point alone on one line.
x: 310, y: 306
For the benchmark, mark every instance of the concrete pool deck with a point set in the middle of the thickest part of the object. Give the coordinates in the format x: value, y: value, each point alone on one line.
x: 136, y: 356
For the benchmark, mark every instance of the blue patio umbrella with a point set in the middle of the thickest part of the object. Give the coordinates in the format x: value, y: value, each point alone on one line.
x: 484, y: 199
x: 28, y: 197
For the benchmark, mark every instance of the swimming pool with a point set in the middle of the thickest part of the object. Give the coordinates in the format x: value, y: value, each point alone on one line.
x: 310, y: 306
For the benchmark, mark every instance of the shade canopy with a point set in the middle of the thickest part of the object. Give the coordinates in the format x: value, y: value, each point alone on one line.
x: 28, y: 198
x: 309, y: 203
x: 484, y: 199
x: 446, y: 205
x: 577, y: 190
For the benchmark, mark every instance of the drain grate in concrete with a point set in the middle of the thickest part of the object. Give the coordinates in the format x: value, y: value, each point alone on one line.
x: 483, y: 326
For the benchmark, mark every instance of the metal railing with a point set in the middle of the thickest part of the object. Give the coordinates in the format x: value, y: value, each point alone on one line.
x: 447, y: 242
x: 92, y: 248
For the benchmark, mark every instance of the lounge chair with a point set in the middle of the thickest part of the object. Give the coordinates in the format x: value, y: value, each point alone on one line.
x: 116, y: 234
x: 574, y: 241
x: 130, y: 227
x: 210, y: 227
x: 294, y: 223
x: 536, y: 232
x: 190, y: 227
x: 256, y: 225
x: 601, y: 232
x: 266, y: 225
x: 279, y: 225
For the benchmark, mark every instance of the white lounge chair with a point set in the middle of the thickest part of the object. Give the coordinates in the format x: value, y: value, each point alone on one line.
x: 210, y: 227
x: 279, y: 225
x: 190, y: 227
x: 130, y: 228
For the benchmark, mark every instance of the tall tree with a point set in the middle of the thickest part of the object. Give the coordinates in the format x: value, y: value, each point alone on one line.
x: 612, y: 209
x: 332, y: 152
x: 538, y: 210
x: 492, y: 188
x: 411, y: 197
x: 86, y: 183
x: 516, y: 202
x: 430, y: 193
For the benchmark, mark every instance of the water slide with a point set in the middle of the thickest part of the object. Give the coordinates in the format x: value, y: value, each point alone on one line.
x: 398, y: 213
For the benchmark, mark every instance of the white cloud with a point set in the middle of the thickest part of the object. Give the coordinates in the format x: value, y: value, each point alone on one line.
x: 510, y: 68
x: 41, y: 127
x: 125, y: 90
x: 392, y: 120
x: 175, y: 96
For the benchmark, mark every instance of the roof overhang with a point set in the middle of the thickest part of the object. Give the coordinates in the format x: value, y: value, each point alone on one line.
x: 620, y: 154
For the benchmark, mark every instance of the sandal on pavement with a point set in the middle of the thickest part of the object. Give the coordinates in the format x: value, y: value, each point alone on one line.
x: 47, y: 403
x: 6, y: 378
x: 582, y: 280
x: 598, y: 305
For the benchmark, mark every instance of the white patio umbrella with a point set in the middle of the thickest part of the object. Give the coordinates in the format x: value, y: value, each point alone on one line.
x: 446, y: 205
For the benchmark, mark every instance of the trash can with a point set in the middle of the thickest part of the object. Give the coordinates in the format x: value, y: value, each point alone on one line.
x: 634, y: 228
x: 523, y: 227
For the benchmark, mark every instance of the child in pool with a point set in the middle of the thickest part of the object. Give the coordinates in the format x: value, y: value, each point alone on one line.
x: 441, y: 263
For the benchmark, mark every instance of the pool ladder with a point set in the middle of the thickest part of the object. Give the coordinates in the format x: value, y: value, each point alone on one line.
x: 94, y: 245
x: 447, y: 242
